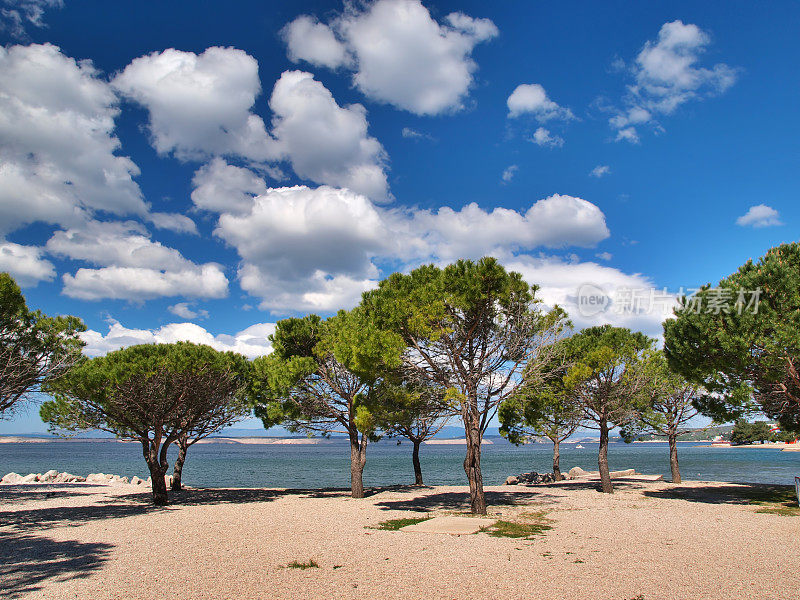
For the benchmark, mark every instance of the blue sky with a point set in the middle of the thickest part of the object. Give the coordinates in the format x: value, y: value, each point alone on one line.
x: 198, y: 171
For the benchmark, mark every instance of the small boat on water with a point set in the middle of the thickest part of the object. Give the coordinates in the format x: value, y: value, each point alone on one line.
x: 578, y: 446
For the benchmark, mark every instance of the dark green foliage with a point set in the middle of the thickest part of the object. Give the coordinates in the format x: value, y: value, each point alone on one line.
x: 749, y: 433
x: 469, y: 330
x: 607, y: 377
x: 34, y: 348
x: 153, y: 393
x: 323, y: 376
x: 746, y: 360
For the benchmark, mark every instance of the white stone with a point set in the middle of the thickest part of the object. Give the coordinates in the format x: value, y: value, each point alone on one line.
x: 576, y: 472
x: 11, y: 478
x: 30, y: 478
x: 50, y: 476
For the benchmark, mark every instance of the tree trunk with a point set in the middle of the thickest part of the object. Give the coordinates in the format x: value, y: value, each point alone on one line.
x: 417, y: 465
x: 557, y: 461
x: 673, y: 458
x: 183, y: 446
x: 472, y: 467
x: 157, y: 468
x: 358, y: 458
x: 602, y: 459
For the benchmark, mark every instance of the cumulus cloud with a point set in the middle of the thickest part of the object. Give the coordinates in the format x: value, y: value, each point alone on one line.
x: 318, y: 248
x: 139, y: 284
x: 220, y: 187
x: 666, y: 75
x: 531, y: 98
x: 399, y: 53
x: 132, y: 266
x: 543, y: 137
x: 184, y: 310
x: 201, y: 108
x: 200, y: 105
x: 25, y: 264
x: 314, y: 42
x: 325, y: 142
x: 446, y: 234
x: 309, y: 246
x: 17, y: 15
x: 760, y: 215
x: 251, y: 342
x: 600, y: 171
x: 58, y: 161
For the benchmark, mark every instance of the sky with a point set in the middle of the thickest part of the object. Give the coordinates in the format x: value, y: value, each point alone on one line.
x: 199, y: 170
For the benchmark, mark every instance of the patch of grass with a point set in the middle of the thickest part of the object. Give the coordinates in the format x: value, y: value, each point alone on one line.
x: 311, y: 564
x: 395, y: 524
x: 776, y: 501
x: 528, y: 526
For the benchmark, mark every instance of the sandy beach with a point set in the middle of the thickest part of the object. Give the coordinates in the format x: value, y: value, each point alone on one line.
x: 648, y: 540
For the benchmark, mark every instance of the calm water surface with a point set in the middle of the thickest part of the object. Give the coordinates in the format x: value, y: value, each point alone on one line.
x: 326, y: 464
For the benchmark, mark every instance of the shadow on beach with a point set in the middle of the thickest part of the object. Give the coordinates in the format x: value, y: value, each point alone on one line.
x: 26, y: 561
x: 460, y: 500
x: 739, y: 493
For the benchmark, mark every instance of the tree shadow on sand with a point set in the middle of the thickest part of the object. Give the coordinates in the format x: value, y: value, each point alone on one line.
x: 460, y: 500
x: 740, y: 493
x: 13, y: 494
x: 27, y: 561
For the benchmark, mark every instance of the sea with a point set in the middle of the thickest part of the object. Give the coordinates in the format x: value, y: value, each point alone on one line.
x: 325, y: 463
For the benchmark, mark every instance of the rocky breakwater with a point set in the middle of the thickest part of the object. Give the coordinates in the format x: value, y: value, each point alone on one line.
x: 54, y: 476
x: 534, y: 478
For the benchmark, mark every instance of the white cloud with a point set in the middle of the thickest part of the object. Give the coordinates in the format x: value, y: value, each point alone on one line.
x: 25, y: 264
x: 666, y: 75
x: 604, y: 255
x: 543, y: 137
x: 251, y: 342
x: 531, y: 98
x: 346, y: 229
x: 600, y: 171
x: 16, y: 15
x: 173, y: 222
x: 413, y: 134
x: 400, y: 54
x: 324, y: 142
x: 318, y: 248
x: 133, y: 267
x: 139, y: 284
x: 184, y: 310
x: 221, y: 187
x: 118, y: 244
x: 760, y: 215
x: 200, y: 105
x: 314, y: 42
x: 471, y: 232
x: 57, y: 159
x: 509, y: 172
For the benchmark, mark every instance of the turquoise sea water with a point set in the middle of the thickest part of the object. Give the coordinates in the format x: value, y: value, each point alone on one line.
x: 326, y: 464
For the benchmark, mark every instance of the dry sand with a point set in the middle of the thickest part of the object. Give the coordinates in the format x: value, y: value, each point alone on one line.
x: 648, y: 540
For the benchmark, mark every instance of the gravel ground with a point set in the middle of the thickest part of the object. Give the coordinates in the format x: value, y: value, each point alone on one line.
x: 647, y: 541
